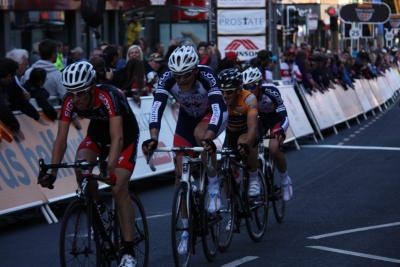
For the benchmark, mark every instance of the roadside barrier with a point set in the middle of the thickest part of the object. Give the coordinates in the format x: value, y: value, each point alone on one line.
x: 308, y: 114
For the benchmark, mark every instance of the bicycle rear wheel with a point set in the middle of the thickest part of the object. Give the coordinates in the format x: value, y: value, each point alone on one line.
x: 210, y: 229
x: 227, y: 212
x: 256, y: 221
x: 79, y: 244
x: 278, y: 204
x: 141, y: 238
x: 181, y: 209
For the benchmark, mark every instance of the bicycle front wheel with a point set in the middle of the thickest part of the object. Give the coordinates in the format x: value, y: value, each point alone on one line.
x: 181, y: 210
x: 256, y: 221
x: 278, y: 204
x: 79, y: 244
x: 227, y: 212
x: 210, y: 223
x: 141, y: 238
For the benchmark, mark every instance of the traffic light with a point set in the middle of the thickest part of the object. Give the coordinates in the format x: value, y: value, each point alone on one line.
x: 333, y: 24
x: 293, y: 15
x: 333, y: 18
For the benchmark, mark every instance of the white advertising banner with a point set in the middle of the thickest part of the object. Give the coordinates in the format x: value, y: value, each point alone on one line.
x: 246, y: 47
x: 367, y: 90
x: 349, y: 102
x: 362, y: 96
x: 162, y: 161
x: 247, y: 21
x: 298, y: 122
x: 318, y: 108
x: 241, y: 3
x: 334, y: 107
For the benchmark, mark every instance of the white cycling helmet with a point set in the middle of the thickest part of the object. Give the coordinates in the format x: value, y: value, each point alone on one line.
x: 183, y: 59
x: 78, y: 76
x: 251, y: 75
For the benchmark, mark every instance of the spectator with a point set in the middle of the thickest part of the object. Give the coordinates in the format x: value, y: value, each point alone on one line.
x: 131, y: 79
x: 21, y: 57
x: 34, y: 53
x: 48, y: 55
x: 134, y: 52
x: 77, y: 54
x: 100, y: 68
x: 229, y: 61
x: 59, y: 61
x: 12, y: 98
x: 153, y: 69
x: 34, y: 86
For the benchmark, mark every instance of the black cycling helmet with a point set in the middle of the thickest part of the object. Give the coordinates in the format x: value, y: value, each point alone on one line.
x: 230, y: 79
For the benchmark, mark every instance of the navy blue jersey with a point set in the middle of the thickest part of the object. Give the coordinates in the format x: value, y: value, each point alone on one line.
x: 270, y: 103
x: 204, y: 98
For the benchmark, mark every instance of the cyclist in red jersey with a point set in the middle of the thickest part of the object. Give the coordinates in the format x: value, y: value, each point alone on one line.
x: 107, y: 108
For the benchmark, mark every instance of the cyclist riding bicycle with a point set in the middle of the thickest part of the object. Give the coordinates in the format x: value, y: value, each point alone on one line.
x: 241, y: 132
x: 272, y: 116
x: 113, y: 131
x: 202, y: 116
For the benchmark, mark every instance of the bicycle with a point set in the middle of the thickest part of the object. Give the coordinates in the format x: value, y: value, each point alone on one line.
x: 254, y: 210
x: 90, y: 232
x: 273, y: 188
x: 189, y: 202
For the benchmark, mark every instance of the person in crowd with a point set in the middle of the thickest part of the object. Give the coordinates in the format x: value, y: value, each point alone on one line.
x: 229, y: 61
x: 113, y: 131
x: 110, y: 56
x: 20, y: 56
x: 77, y: 54
x: 12, y: 98
x: 131, y: 79
x: 34, y: 53
x: 48, y: 55
x: 154, y: 68
x: 99, y: 66
x: 59, y: 60
x: 134, y: 52
x: 34, y: 86
x: 266, y: 63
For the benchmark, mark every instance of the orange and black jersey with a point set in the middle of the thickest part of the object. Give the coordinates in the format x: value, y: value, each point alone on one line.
x: 246, y: 103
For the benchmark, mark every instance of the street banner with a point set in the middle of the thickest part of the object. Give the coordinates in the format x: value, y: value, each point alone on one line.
x: 318, y: 108
x: 333, y: 106
x: 19, y: 166
x: 367, y: 90
x: 368, y: 13
x: 349, y: 102
x: 375, y: 91
x: 246, y: 47
x: 362, y: 96
x: 298, y: 121
x: 241, y: 3
x: 246, y: 21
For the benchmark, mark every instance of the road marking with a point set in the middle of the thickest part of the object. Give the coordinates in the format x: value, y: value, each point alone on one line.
x: 355, y: 230
x: 354, y: 147
x: 159, y: 215
x: 340, y: 143
x: 240, y: 261
x: 358, y: 254
x: 346, y: 139
x: 352, y: 135
x: 358, y: 131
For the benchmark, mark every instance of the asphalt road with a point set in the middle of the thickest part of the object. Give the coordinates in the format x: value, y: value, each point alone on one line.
x: 345, y: 210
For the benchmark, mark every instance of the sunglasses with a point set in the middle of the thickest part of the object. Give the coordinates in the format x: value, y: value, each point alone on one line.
x: 250, y: 87
x: 228, y: 92
x: 81, y: 93
x: 183, y: 76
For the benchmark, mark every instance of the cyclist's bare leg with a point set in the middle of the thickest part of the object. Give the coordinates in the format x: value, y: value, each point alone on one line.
x: 199, y: 133
x: 252, y: 162
x: 277, y: 155
x: 90, y: 156
x: 120, y: 192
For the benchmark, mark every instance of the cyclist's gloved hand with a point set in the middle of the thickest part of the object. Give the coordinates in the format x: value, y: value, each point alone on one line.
x: 149, y: 146
x: 47, y: 180
x: 209, y: 146
x: 243, y: 149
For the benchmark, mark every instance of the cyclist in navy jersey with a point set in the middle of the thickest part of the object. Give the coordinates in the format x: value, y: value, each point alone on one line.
x: 202, y: 115
x: 273, y: 117
x: 113, y: 132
